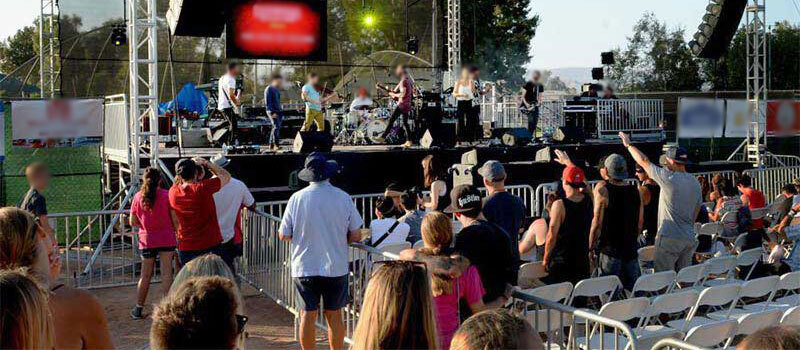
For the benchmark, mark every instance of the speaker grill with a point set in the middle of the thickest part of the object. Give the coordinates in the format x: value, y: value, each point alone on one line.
x: 719, y: 25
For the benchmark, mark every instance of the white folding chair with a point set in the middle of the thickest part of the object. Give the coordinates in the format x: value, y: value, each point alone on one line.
x: 712, y: 335
x: 602, y: 288
x: 714, y: 298
x: 718, y: 266
x: 558, y: 293
x: 650, y: 329
x: 653, y: 285
x: 739, y: 242
x: 745, y: 261
x: 647, y: 256
x: 752, y: 322
x: 530, y: 272
x: 690, y: 276
x: 758, y: 213
x: 418, y: 244
x: 753, y: 289
x: 395, y: 248
x: 712, y: 229
x: 787, y: 286
x: 623, y: 310
x: 791, y: 317
x: 729, y: 220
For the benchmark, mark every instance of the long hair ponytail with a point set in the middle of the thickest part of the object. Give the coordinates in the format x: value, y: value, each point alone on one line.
x: 150, y: 184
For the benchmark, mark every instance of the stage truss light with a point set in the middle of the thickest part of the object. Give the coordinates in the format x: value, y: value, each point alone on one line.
x: 119, y: 35
x: 412, y: 46
x: 369, y: 20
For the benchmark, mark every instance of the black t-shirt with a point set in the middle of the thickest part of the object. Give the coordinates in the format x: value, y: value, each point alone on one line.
x: 532, y: 91
x: 488, y: 249
x: 507, y: 211
x: 34, y: 203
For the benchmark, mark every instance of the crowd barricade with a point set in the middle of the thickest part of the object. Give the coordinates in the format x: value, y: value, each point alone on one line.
x: 675, y: 344
x: 638, y: 117
x: 771, y: 180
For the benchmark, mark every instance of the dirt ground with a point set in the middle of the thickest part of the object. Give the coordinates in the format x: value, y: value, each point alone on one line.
x: 269, y: 326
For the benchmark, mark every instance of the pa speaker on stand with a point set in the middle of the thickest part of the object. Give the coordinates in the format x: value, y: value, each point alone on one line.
x: 312, y: 141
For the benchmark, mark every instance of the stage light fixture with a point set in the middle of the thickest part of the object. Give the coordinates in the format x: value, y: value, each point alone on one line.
x: 369, y: 20
x: 412, y: 46
x: 119, y: 35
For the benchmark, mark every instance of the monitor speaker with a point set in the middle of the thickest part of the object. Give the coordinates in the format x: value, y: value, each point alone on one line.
x: 199, y: 18
x: 312, y: 141
x: 445, y: 138
x: 597, y: 73
x: 544, y: 155
x: 607, y: 57
x: 516, y: 137
x: 569, y: 134
x: 714, y: 34
x: 465, y: 174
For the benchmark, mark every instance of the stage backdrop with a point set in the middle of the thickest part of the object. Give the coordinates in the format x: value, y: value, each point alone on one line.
x: 738, y: 116
x: 56, y: 123
x: 783, y: 118
x: 700, y: 117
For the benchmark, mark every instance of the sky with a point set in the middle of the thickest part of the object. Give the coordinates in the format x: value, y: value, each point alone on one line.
x: 572, y: 33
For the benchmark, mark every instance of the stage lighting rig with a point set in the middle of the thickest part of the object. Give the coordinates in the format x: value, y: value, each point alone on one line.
x: 412, y: 46
x: 369, y: 19
x: 119, y: 35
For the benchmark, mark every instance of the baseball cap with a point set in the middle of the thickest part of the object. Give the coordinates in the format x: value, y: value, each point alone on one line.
x: 616, y: 166
x: 186, y: 168
x: 678, y: 154
x: 493, y: 171
x: 574, y: 176
x: 464, y: 198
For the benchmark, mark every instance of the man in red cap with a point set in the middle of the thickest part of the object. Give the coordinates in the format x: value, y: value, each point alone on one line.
x: 566, y: 252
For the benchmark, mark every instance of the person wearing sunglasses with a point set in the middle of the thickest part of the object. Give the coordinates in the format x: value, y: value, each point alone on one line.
x: 200, y: 314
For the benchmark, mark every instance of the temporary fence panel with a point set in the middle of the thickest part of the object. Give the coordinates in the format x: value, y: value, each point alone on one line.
x: 770, y: 181
x: 116, y: 128
x: 638, y: 117
x: 776, y: 161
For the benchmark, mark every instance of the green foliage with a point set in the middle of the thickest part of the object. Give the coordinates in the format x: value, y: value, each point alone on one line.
x: 17, y: 49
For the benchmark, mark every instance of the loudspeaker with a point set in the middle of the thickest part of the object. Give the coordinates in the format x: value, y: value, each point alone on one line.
x: 607, y: 57
x: 312, y: 141
x: 544, y: 155
x: 445, y: 139
x: 516, y: 137
x: 569, y: 134
x: 465, y: 174
x: 217, y: 135
x: 597, y: 73
x: 714, y: 34
x: 199, y: 18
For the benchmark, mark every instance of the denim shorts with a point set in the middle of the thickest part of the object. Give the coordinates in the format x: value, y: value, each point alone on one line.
x: 332, y: 291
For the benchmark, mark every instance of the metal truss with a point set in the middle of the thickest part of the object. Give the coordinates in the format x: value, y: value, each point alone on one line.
x: 49, y: 50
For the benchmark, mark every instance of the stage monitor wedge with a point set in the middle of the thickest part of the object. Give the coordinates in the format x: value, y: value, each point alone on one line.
x: 718, y: 28
x: 198, y: 18
x: 290, y: 30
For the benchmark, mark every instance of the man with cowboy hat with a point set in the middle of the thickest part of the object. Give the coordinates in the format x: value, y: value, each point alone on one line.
x: 320, y: 221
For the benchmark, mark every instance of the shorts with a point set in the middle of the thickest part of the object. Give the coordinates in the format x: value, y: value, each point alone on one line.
x: 185, y: 256
x: 151, y: 253
x: 332, y: 291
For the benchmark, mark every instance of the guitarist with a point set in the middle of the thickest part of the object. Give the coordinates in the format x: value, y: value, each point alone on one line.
x: 531, y: 94
x: 314, y: 98
x: 229, y: 99
x: 401, y: 93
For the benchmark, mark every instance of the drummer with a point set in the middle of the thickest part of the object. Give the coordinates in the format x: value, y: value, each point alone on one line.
x: 362, y: 101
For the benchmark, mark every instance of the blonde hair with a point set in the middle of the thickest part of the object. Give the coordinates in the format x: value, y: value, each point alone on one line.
x: 491, y: 329
x: 18, y: 238
x: 26, y: 322
x: 397, y: 310
x: 205, y: 266
x: 437, y: 234
x: 201, y: 313
x: 35, y: 169
x: 774, y: 338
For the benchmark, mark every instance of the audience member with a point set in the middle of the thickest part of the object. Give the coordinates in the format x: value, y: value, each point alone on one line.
x: 679, y: 203
x: 319, y: 221
x: 398, y: 310
x: 500, y: 207
x: 705, y: 188
x: 150, y: 212
x: 716, y: 188
x: 787, y: 212
x: 486, y: 245
x: 452, y: 278
x: 730, y: 202
x: 229, y: 201
x: 410, y: 203
x: 616, y: 223
x: 566, y: 254
x: 38, y: 177
x: 772, y: 338
x: 192, y: 201
x: 386, y: 230
x: 433, y: 173
x: 395, y: 193
x: 200, y: 314
x: 751, y: 198
x: 208, y: 265
x: 531, y: 247
x: 78, y: 318
x: 25, y: 322
x: 496, y: 329
x: 650, y: 193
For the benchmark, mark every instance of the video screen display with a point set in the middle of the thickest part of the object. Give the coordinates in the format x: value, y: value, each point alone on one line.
x: 277, y: 29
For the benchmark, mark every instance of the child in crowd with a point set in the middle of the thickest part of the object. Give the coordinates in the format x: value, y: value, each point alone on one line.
x: 386, y: 230
x: 495, y: 329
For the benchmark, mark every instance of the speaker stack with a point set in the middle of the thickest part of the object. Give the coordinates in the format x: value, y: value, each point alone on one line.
x: 719, y: 25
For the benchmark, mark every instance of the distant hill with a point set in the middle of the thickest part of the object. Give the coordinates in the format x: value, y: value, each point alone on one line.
x: 573, y: 76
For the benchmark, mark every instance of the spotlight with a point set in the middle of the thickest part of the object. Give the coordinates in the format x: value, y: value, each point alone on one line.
x: 369, y: 20
x: 412, y: 46
x: 119, y: 35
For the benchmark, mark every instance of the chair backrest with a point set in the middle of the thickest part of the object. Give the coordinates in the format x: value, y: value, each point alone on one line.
x: 624, y: 310
x: 759, y: 288
x: 601, y: 287
x: 396, y: 248
x: 739, y: 242
x: 711, y: 335
x: 747, y: 260
x: 759, y: 213
x: 418, y: 244
x: 729, y: 219
x: 691, y: 275
x: 752, y: 322
x: 671, y: 303
x: 790, y: 281
x: 558, y: 293
x: 791, y: 317
x: 720, y: 265
x: 646, y: 256
x: 711, y: 229
x: 531, y: 271
x: 655, y: 283
x: 716, y: 296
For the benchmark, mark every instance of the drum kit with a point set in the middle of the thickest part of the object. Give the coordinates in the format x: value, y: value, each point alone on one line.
x: 364, y: 126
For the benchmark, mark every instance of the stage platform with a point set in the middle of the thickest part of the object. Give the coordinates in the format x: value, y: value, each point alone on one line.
x: 368, y: 169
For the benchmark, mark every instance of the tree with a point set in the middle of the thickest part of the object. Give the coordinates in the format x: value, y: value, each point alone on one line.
x: 655, y: 59
x: 554, y: 83
x: 17, y: 49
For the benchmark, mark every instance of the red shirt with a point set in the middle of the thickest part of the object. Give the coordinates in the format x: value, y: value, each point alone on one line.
x: 757, y: 200
x: 197, y: 216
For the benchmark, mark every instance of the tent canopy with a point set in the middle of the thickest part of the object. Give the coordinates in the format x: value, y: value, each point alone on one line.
x: 189, y: 99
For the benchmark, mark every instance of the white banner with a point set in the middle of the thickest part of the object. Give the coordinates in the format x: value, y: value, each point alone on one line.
x: 700, y: 117
x: 56, y: 123
x: 738, y: 115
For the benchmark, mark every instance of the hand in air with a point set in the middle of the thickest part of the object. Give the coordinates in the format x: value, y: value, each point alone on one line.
x: 626, y: 140
x: 562, y: 158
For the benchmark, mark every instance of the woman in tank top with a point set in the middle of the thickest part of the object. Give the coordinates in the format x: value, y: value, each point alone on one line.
x: 433, y: 173
x: 464, y: 93
x: 531, y: 247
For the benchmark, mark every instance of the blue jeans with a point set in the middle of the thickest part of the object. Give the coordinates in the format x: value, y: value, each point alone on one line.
x: 627, y: 270
x: 533, y: 120
x: 274, y: 134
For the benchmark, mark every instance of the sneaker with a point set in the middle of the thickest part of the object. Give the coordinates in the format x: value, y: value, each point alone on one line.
x: 136, y: 313
x: 408, y: 144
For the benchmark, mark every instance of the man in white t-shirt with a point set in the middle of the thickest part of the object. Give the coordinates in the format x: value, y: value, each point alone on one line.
x: 383, y: 224
x: 227, y: 99
x: 229, y: 201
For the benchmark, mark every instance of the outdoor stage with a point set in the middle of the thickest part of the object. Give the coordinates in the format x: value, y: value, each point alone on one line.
x: 368, y: 169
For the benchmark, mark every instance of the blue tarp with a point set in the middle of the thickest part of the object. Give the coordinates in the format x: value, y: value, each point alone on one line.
x: 189, y: 98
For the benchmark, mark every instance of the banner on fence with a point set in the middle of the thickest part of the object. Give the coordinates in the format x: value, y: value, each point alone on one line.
x: 739, y: 115
x: 56, y: 123
x: 783, y: 118
x: 700, y: 117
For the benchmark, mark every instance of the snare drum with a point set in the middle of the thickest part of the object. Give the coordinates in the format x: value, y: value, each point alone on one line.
x: 374, y: 129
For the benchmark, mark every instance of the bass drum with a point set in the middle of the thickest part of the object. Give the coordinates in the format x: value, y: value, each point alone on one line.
x: 374, y: 129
